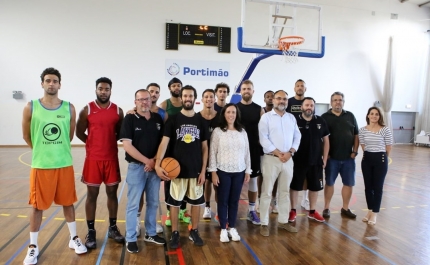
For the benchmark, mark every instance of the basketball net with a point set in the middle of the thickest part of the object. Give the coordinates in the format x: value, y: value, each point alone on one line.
x: 289, y: 47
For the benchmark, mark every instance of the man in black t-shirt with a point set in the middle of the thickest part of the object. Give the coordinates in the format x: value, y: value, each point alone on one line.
x: 188, y: 136
x: 141, y: 134
x: 310, y: 159
x: 295, y: 108
x: 250, y: 114
x: 221, y: 91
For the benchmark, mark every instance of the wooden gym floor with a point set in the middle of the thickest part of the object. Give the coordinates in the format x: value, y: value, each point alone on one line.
x: 401, y: 235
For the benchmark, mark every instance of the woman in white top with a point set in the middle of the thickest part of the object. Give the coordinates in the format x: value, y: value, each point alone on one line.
x: 230, y: 164
x: 375, y: 140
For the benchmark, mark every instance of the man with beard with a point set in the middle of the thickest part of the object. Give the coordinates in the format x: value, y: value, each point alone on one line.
x: 280, y: 139
x: 188, y: 135
x: 268, y: 100
x: 295, y: 108
x: 48, y: 126
x: 251, y: 113
x: 310, y: 159
x: 211, y: 120
x: 102, y: 119
x: 343, y: 151
x: 222, y: 90
x: 141, y: 134
x: 173, y: 105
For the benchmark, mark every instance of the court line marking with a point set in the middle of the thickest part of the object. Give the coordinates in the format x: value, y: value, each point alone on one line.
x: 361, y: 244
x: 166, y: 255
x: 102, y: 250
x: 28, y: 240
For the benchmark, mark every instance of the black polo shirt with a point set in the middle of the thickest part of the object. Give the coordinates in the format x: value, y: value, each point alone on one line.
x: 311, y: 144
x: 294, y: 107
x: 145, y: 135
x: 343, y: 129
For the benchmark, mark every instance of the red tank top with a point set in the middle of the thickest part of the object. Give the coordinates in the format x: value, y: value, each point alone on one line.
x: 101, y: 141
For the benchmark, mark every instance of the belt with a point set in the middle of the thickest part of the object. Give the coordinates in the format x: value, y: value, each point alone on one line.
x: 269, y: 154
x: 139, y: 163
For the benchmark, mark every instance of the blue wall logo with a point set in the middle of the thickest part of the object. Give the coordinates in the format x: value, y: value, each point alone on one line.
x: 174, y: 69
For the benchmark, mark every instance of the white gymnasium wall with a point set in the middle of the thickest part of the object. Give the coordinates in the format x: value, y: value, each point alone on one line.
x: 124, y: 40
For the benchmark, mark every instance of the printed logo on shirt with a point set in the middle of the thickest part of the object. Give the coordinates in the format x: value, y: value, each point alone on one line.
x: 61, y: 116
x: 137, y: 129
x: 211, y: 129
x: 52, y: 132
x: 158, y: 126
x: 296, y: 108
x: 319, y: 126
x: 188, y: 133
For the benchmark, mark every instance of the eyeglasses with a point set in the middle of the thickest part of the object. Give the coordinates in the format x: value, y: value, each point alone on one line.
x: 142, y: 99
x: 279, y: 99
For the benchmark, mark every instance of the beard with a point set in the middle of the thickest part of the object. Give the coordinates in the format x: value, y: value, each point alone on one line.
x: 280, y: 107
x: 308, y: 113
x: 247, y: 97
x: 174, y: 94
x: 103, y: 101
x: 185, y: 107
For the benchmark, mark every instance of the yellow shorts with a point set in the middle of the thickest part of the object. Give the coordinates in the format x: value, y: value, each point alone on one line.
x: 182, y: 189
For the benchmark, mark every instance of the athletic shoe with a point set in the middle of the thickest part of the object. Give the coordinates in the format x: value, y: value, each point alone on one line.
x: 132, y: 247
x: 292, y: 216
x: 326, y: 213
x: 223, y: 237
x: 316, y: 216
x: 155, y: 239
x: 168, y: 222
x: 274, y: 205
x: 184, y: 216
x: 348, y: 213
x: 115, y: 234
x: 195, y: 237
x: 77, y: 245
x: 32, y: 253
x: 90, y: 239
x: 138, y: 230
x: 207, y: 213
x: 287, y: 227
x: 264, y: 230
x: 232, y: 232
x: 253, y: 217
x: 158, y: 229
x: 174, y: 240
x: 305, y: 204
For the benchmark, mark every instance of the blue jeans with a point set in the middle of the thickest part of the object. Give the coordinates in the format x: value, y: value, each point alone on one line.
x: 138, y: 181
x: 229, y: 189
x: 346, y: 169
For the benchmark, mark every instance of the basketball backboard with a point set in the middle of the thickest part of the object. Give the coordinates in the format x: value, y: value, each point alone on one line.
x: 263, y: 22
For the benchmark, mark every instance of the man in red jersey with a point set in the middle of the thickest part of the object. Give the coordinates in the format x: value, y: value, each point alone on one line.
x: 102, y: 120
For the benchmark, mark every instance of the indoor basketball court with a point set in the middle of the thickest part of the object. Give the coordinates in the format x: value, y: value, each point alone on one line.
x: 375, y: 52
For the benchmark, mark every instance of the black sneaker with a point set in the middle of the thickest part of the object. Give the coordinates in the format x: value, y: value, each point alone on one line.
x: 326, y: 213
x: 174, y: 240
x: 132, y: 247
x: 155, y: 239
x: 115, y: 234
x: 195, y: 237
x: 91, y: 242
x: 348, y: 213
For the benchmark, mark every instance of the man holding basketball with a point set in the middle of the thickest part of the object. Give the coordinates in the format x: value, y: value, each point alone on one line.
x: 189, y: 135
x: 141, y: 134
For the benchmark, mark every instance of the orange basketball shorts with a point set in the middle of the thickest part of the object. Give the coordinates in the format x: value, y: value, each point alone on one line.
x: 97, y: 172
x: 52, y: 185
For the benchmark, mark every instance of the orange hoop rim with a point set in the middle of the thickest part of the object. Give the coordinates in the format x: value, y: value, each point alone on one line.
x: 284, y: 43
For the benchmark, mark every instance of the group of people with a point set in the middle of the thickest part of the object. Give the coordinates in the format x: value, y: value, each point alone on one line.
x: 279, y: 150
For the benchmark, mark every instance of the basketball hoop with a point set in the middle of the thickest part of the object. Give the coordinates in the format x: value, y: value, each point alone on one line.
x: 288, y: 47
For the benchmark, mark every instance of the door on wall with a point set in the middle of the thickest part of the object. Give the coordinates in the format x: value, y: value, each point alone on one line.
x: 321, y: 108
x: 403, y: 126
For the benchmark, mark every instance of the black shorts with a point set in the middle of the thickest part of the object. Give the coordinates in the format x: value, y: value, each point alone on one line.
x: 313, y: 176
x: 255, y: 165
x: 208, y: 176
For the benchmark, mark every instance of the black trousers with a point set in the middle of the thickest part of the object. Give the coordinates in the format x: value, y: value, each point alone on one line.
x: 374, y: 167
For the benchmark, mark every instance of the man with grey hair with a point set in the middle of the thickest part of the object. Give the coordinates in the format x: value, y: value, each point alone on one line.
x: 343, y: 150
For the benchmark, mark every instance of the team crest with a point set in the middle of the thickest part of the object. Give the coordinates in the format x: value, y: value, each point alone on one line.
x: 158, y: 126
x: 319, y: 126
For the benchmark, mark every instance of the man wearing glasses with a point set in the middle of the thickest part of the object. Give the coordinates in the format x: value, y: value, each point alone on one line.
x: 141, y: 134
x: 310, y: 159
x: 280, y: 139
x: 343, y: 150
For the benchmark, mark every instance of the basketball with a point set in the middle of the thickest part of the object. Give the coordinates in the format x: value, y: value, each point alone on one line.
x: 171, y: 166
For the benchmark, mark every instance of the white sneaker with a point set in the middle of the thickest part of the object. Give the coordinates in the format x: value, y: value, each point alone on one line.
x: 138, y: 229
x: 77, y: 245
x: 305, y: 204
x: 207, y: 213
x: 32, y: 253
x: 275, y: 206
x: 232, y: 232
x: 158, y: 229
x: 224, y: 236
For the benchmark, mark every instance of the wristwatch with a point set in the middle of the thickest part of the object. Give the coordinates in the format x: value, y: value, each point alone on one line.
x: 356, y: 153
